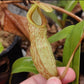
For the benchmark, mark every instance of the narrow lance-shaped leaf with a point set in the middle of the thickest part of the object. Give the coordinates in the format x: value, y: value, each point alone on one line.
x: 61, y: 35
x: 82, y: 4
x: 24, y: 64
x: 59, y: 64
x: 70, y: 5
x: 61, y: 3
x: 70, y: 44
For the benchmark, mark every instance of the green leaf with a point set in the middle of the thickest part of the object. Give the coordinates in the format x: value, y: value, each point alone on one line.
x: 24, y: 64
x: 53, y: 16
x: 70, y: 44
x: 1, y: 47
x: 82, y: 4
x: 70, y: 5
x: 61, y: 35
x: 62, y: 3
x: 58, y: 63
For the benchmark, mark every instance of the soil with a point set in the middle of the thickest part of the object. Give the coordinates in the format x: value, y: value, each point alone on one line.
x: 6, y: 39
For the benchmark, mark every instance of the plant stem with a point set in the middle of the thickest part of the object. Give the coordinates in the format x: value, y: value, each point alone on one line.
x: 20, y: 6
x: 66, y: 69
x: 8, y: 2
x: 10, y: 79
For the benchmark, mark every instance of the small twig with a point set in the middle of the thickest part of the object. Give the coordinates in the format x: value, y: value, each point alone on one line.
x: 15, y: 3
x: 10, y: 79
x: 66, y: 69
x: 9, y: 2
x: 20, y: 6
x: 25, y: 2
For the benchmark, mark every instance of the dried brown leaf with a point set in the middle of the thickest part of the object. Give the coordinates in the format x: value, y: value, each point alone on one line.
x: 15, y: 23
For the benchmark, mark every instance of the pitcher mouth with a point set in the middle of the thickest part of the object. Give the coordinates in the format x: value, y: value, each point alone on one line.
x: 39, y: 21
